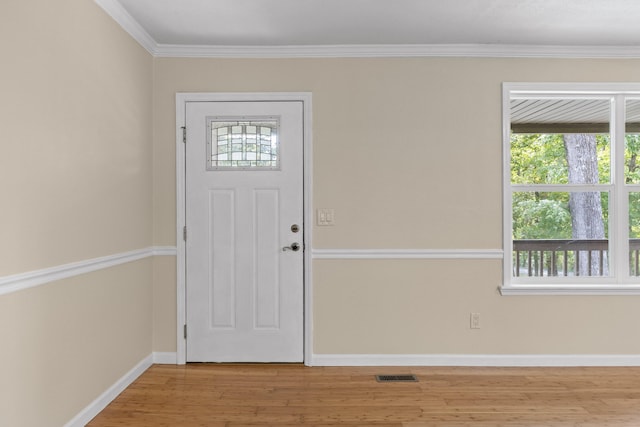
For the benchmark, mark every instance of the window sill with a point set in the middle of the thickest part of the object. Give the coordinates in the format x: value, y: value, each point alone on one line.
x: 570, y: 290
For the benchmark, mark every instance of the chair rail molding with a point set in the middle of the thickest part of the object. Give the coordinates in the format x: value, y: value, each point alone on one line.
x: 30, y: 279
x: 407, y: 253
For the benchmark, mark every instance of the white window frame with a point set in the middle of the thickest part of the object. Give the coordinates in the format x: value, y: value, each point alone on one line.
x: 619, y: 282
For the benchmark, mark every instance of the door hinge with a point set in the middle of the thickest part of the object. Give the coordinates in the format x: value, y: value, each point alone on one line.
x: 184, y: 233
x: 184, y: 134
x: 185, y: 331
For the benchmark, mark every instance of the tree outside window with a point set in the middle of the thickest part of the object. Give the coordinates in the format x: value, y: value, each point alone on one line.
x: 572, y: 193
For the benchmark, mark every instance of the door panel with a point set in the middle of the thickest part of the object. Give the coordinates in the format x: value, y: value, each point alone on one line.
x: 244, y: 292
x: 267, y: 277
x: 221, y: 243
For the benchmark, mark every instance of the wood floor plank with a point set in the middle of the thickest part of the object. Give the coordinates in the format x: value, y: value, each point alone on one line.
x: 237, y: 395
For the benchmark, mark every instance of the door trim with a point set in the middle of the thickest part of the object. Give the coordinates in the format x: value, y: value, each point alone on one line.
x: 182, y: 98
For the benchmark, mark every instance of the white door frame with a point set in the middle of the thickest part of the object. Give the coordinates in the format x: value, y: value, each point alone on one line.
x: 181, y: 102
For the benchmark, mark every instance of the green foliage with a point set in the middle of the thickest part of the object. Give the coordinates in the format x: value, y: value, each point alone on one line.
x: 541, y: 159
x: 634, y: 215
x: 538, y: 159
x: 632, y: 176
x: 540, y: 219
x: 632, y: 149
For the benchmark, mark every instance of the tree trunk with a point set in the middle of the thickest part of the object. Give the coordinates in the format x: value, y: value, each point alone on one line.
x: 587, y: 221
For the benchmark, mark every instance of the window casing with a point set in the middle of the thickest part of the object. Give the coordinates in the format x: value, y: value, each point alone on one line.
x: 571, y: 188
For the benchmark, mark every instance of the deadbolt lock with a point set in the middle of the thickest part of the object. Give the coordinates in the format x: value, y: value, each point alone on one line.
x: 295, y: 228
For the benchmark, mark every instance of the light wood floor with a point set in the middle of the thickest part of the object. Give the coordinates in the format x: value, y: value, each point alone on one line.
x: 293, y: 395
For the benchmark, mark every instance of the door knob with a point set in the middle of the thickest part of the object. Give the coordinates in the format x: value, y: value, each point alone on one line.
x: 294, y: 247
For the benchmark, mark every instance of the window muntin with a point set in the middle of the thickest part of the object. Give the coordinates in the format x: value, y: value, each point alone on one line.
x: 244, y: 143
x: 541, y: 248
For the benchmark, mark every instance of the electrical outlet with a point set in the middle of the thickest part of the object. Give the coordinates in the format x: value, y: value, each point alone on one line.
x: 475, y: 321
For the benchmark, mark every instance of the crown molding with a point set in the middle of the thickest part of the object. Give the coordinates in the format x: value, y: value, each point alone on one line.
x: 131, y: 26
x: 119, y: 14
x: 397, y: 51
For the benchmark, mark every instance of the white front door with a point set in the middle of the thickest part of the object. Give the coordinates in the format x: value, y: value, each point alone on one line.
x: 244, y: 216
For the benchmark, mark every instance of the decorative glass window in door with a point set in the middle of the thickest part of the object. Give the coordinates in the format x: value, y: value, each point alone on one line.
x: 246, y: 143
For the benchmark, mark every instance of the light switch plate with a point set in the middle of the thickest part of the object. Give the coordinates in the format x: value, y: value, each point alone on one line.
x: 475, y: 321
x: 325, y: 217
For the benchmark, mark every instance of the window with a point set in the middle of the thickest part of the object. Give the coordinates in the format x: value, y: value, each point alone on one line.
x: 572, y: 188
x: 242, y: 143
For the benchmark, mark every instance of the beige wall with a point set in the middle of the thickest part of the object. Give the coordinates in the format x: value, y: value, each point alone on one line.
x: 75, y: 182
x: 67, y: 342
x: 164, y: 304
x: 76, y: 141
x: 408, y: 153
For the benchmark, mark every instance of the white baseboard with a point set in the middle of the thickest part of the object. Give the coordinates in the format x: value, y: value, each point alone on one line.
x: 165, y: 358
x: 496, y: 360
x: 94, y: 408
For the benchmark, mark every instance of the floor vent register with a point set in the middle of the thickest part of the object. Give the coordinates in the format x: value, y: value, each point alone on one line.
x: 396, y: 378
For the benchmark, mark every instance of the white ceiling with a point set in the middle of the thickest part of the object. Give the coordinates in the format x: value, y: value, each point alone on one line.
x: 306, y: 23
